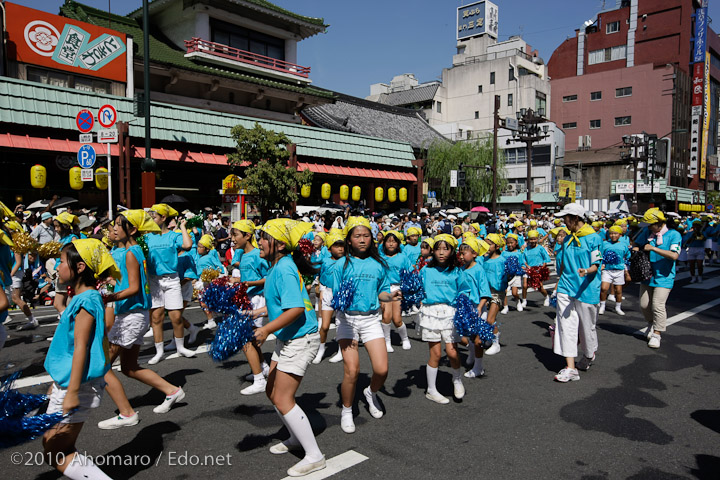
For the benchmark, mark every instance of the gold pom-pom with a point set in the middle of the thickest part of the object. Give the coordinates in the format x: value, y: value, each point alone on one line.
x: 106, y: 238
x: 24, y: 243
x: 49, y: 249
x: 208, y: 275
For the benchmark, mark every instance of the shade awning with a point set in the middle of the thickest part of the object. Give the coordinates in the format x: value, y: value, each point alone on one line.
x: 358, y: 172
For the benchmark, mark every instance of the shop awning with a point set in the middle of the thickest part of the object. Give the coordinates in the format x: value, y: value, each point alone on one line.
x: 358, y: 172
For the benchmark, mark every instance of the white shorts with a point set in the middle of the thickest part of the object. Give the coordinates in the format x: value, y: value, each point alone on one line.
x: 129, y: 328
x: 257, y: 302
x: 436, y: 323
x: 166, y: 292
x: 613, y: 277
x: 327, y: 296
x: 89, y: 396
x: 17, y: 279
x: 696, y: 253
x: 187, y: 290
x: 294, y: 356
x: 395, y: 287
x: 361, y: 328
x: 515, y: 281
x: 575, y: 323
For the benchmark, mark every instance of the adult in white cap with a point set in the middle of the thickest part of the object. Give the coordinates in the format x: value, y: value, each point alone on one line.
x: 578, y: 293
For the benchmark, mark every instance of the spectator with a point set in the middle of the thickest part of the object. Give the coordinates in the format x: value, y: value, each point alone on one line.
x: 222, y: 237
x: 45, y: 231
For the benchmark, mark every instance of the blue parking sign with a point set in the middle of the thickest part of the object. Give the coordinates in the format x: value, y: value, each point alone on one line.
x: 86, y: 156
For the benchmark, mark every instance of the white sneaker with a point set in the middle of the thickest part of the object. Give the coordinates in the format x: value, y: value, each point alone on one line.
x: 185, y: 352
x: 619, y: 311
x: 389, y: 347
x: 194, y: 330
x: 520, y: 306
x: 301, y: 469
x: 692, y: 279
x: 654, y: 341
x: 30, y: 325
x: 647, y: 333
x: 458, y: 389
x: 336, y: 358
x: 473, y: 374
x: 494, y: 349
x: 373, y: 407
x: 546, y: 302
x: 437, y: 398
x: 256, y: 387
x: 283, y: 447
x: 524, y: 302
x: 318, y: 358
x: 567, y: 375
x: 170, y: 400
x: 611, y: 297
x: 347, y: 424
x: 119, y: 421
x: 209, y: 325
x: 149, y: 333
x: 406, y: 344
x: 505, y: 310
x: 602, y: 310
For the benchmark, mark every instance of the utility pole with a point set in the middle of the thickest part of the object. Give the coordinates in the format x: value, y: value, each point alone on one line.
x: 530, y: 132
x: 496, y: 126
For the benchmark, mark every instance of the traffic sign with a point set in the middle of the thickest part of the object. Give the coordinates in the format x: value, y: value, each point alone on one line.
x: 107, y: 116
x: 86, y: 156
x: 84, y: 120
x: 86, y: 174
x: 453, y: 178
x: 86, y: 138
x: 108, y: 136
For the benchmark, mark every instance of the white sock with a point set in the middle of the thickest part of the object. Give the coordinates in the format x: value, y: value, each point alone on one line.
x: 292, y: 440
x: 457, y: 374
x: 402, y: 331
x: 259, y: 378
x: 386, y: 332
x: 32, y: 318
x: 431, y: 373
x: 346, y: 410
x: 83, y: 468
x: 618, y: 306
x: 265, y: 368
x: 159, y: 348
x: 298, y: 423
x: 602, y: 304
x: 180, y: 343
x: 321, y: 350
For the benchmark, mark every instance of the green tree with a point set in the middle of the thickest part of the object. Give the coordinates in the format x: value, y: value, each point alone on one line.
x: 267, y: 176
x: 445, y: 156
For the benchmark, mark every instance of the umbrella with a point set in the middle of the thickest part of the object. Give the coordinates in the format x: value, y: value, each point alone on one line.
x: 463, y: 214
x: 480, y: 209
x: 174, y: 199
x: 454, y: 210
x: 64, y: 201
x: 403, y: 211
x: 39, y: 204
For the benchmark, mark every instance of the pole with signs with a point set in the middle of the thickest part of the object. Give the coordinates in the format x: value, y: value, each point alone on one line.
x: 107, y: 116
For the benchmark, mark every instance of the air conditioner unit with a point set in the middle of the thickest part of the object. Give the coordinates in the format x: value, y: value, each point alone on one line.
x: 588, y: 143
x: 537, y: 189
x: 510, y: 188
x: 580, y: 142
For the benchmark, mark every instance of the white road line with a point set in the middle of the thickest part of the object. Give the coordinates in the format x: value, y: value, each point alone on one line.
x: 336, y: 465
x: 705, y: 285
x: 687, y: 314
x: 686, y: 274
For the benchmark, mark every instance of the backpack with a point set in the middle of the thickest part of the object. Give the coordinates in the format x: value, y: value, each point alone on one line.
x: 640, y: 268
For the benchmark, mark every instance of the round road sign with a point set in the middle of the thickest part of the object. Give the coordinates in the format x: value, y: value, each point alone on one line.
x: 107, y: 116
x: 84, y: 120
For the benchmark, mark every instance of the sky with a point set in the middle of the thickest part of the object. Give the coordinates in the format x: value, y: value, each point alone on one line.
x: 371, y: 41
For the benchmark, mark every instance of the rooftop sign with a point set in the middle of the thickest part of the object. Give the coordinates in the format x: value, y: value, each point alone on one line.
x: 477, y: 19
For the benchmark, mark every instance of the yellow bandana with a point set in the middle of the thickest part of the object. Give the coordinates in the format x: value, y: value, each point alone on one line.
x: 496, y: 239
x: 6, y: 213
x: 164, y: 209
x: 480, y: 246
x: 400, y: 237
x: 333, y: 238
x: 67, y: 219
x: 287, y: 231
x: 654, y: 215
x: 554, y: 232
x: 468, y: 235
x: 533, y: 234
x: 517, y: 224
x: 533, y: 223
x: 430, y: 241
x: 476, y: 227
x: 557, y: 221
x: 512, y: 235
x: 353, y: 222
x: 622, y: 221
x: 141, y: 220
x: 414, y: 231
x: 5, y: 239
x: 447, y: 238
x: 96, y: 257
x: 615, y: 229
x: 584, y: 231
x: 207, y: 241
x: 246, y: 226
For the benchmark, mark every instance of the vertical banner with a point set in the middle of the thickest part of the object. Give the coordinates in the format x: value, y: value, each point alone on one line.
x: 700, y: 70
x: 706, y: 119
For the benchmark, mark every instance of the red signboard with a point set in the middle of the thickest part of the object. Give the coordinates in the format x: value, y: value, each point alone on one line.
x: 697, y: 84
x: 84, y: 121
x: 35, y: 37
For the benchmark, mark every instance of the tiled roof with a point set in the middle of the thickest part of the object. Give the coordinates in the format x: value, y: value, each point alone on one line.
x: 34, y: 104
x: 410, y: 97
x: 164, y: 53
x: 351, y: 114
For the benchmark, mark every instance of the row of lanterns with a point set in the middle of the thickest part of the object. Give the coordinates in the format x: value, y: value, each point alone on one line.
x: 326, y: 190
x: 38, y: 177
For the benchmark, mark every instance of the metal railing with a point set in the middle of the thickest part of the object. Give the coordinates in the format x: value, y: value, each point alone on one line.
x: 230, y: 53
x: 494, y: 56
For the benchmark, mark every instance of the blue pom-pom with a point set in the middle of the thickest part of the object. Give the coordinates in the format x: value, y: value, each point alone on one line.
x: 553, y: 301
x: 14, y: 404
x: 231, y: 336
x: 343, y: 296
x: 412, y: 289
x: 467, y: 321
x: 224, y: 297
x: 611, y: 258
x: 512, y: 266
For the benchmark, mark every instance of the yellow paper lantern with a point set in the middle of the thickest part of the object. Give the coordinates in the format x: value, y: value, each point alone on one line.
x: 305, y: 191
x: 38, y: 176
x: 76, y: 182
x: 392, y: 194
x: 356, y: 191
x: 379, y: 194
x: 325, y: 191
x: 344, y: 192
x: 101, y: 178
x: 231, y: 184
x: 403, y: 194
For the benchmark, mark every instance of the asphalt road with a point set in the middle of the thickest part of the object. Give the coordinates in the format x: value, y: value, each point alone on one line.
x: 637, y: 414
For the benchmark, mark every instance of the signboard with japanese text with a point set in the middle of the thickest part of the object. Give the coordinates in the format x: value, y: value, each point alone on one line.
x: 567, y: 189
x: 706, y: 119
x: 477, y: 19
x: 38, y: 38
x: 629, y: 187
x: 701, y: 23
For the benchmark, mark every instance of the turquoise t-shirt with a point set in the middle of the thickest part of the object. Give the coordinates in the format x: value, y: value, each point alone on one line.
x: 483, y: 231
x: 557, y: 249
x: 412, y: 252
x: 326, y: 272
x: 187, y: 264
x: 253, y: 268
x: 318, y: 255
x: 585, y: 289
x: 663, y: 268
x: 370, y: 279
x: 64, y: 241
x: 621, y: 250
x: 209, y: 260
x: 478, y: 283
x: 285, y: 289
x: 7, y: 259
x: 237, y: 256
x: 58, y: 361
x: 495, y: 273
x: 397, y: 262
x: 141, y: 300
x: 443, y: 285
x: 515, y: 253
x: 163, y: 253
x: 536, y: 256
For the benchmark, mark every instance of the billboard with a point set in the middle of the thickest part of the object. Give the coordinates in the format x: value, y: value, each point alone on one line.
x: 567, y: 189
x: 701, y: 23
x: 477, y: 19
x: 35, y: 37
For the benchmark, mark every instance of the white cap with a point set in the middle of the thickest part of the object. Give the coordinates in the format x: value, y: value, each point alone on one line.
x: 572, y: 209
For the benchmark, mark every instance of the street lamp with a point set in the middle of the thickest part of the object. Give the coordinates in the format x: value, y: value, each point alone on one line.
x: 529, y: 131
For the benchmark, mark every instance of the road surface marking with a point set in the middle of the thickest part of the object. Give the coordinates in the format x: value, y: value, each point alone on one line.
x: 336, y: 465
x: 705, y: 285
x: 687, y: 314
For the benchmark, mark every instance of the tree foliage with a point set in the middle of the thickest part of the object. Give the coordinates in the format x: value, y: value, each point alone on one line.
x: 267, y: 176
x: 445, y: 156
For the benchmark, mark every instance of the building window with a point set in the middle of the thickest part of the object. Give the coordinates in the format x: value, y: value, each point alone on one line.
x: 569, y: 125
x: 541, y: 103
x: 623, y: 92
x: 570, y: 98
x: 492, y: 78
x: 612, y: 27
x: 50, y: 77
x: 594, y: 96
x: 438, y: 107
x: 479, y: 88
x: 620, y: 121
x: 247, y: 40
x: 511, y: 74
x: 477, y: 114
x: 510, y: 99
x: 609, y: 54
x: 594, y: 124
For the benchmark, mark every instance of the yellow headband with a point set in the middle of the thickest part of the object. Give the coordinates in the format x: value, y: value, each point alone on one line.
x: 246, y: 226
x: 67, y: 219
x: 96, y: 257
x: 141, y: 220
x: 430, y: 241
x: 447, y: 238
x: 333, y: 238
x: 554, y: 232
x: 496, y: 239
x: 414, y: 231
x: 468, y: 235
x: 400, y: 237
x: 164, y: 209
x: 557, y: 221
x: 622, y: 221
x: 287, y: 231
x: 533, y: 223
x: 654, y: 215
x: 479, y: 246
x: 533, y: 234
x: 476, y: 227
x: 322, y: 235
x: 353, y: 222
x: 518, y: 224
x: 511, y: 235
x: 207, y: 241
x: 615, y: 229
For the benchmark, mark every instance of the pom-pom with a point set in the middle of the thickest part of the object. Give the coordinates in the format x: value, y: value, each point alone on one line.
x: 343, y: 296
x: 208, y: 275
x: 512, y: 266
x: 467, y: 321
x: 16, y: 404
x: 421, y: 262
x: 49, y: 249
x: 142, y: 242
x: 306, y: 247
x: 224, y: 297
x: 24, y: 243
x: 231, y: 336
x: 553, y: 301
x: 611, y: 258
x: 412, y: 289
x: 196, y: 222
x: 537, y: 275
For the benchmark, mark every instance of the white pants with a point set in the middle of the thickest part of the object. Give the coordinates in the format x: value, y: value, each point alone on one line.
x: 575, y: 320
